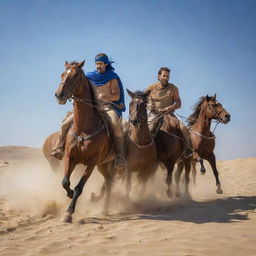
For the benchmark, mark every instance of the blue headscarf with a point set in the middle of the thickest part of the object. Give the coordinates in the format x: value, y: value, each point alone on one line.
x: 98, y: 79
x: 104, y: 58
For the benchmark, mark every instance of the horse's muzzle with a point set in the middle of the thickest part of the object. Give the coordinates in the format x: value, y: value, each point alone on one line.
x: 61, y: 98
x: 226, y: 118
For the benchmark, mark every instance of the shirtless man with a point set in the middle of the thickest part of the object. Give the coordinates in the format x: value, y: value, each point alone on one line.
x: 164, y: 97
x: 109, y: 89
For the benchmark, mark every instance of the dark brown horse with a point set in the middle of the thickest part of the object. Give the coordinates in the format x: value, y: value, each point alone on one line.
x: 87, y: 141
x: 140, y: 148
x: 203, y: 140
x: 170, y: 147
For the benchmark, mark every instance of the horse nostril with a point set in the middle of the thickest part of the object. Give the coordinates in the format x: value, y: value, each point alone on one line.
x: 59, y: 95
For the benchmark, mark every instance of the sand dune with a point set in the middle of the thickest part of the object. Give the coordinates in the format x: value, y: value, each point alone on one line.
x: 32, y: 203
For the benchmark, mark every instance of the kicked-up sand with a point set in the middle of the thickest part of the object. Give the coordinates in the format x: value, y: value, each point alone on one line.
x: 32, y: 203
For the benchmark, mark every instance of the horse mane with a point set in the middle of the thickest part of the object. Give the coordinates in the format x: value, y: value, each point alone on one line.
x: 196, y: 109
x: 140, y: 94
x: 92, y: 92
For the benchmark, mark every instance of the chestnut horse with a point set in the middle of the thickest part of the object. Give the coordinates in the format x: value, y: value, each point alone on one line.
x: 203, y: 140
x: 87, y: 141
x: 140, y: 148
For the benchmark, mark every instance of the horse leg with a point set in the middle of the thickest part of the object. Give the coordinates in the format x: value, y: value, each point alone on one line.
x: 69, y: 167
x: 194, y: 172
x: 109, y: 179
x: 108, y: 172
x: 187, y: 163
x: 212, y: 160
x: 109, y: 184
x: 202, y: 169
x: 169, y: 166
x: 178, y: 173
x: 77, y: 192
x: 96, y: 197
x: 128, y: 184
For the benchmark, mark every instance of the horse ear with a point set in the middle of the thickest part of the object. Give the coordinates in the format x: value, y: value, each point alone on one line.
x: 215, y: 96
x: 207, y: 98
x: 81, y: 64
x: 131, y: 94
x: 66, y: 64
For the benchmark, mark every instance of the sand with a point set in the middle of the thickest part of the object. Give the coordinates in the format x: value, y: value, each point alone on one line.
x: 32, y: 203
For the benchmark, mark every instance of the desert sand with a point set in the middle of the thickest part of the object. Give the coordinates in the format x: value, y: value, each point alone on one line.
x: 32, y: 203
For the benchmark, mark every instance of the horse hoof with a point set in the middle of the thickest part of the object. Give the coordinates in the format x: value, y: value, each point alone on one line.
x: 202, y: 172
x: 188, y: 196
x: 178, y: 194
x: 169, y: 193
x: 105, y: 213
x: 94, y: 198
x: 67, y: 218
x: 219, y: 191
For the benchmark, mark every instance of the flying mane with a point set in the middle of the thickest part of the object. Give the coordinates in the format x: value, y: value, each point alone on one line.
x: 196, y: 109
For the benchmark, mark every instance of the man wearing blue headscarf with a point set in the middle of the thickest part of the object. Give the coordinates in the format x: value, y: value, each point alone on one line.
x: 109, y: 89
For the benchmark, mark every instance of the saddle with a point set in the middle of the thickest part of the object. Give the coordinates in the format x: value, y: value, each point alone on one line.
x: 165, y: 121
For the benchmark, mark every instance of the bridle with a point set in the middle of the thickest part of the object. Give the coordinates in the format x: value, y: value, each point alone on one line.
x: 215, y: 113
x: 143, y: 116
x: 72, y: 87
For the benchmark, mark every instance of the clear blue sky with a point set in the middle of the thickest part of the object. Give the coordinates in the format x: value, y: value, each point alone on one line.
x: 210, y: 45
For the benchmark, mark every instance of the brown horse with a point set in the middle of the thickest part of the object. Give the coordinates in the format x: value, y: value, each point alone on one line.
x: 170, y: 147
x: 203, y: 140
x: 87, y: 141
x: 140, y: 148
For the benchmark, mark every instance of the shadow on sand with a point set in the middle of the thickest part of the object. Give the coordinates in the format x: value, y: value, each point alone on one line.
x: 228, y: 210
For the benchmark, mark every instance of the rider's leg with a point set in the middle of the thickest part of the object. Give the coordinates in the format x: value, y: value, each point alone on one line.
x: 116, y: 125
x: 58, y: 148
x: 153, y: 123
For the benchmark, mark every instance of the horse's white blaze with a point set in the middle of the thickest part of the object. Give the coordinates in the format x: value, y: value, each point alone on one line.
x: 67, y: 72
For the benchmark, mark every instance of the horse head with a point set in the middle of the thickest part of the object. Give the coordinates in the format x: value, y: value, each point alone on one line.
x: 215, y: 110
x: 70, y: 79
x: 138, y: 107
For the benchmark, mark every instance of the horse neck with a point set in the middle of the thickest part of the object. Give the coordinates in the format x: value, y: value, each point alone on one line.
x: 202, y: 124
x: 141, y: 135
x: 86, y: 117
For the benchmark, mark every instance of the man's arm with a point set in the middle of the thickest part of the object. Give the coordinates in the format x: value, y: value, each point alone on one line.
x: 176, y: 105
x: 114, y: 90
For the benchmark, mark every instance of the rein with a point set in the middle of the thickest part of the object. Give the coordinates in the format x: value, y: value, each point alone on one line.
x: 201, y: 135
x: 144, y: 146
x: 84, y: 138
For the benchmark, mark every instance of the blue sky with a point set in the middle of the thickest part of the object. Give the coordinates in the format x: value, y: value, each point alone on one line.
x: 210, y: 45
